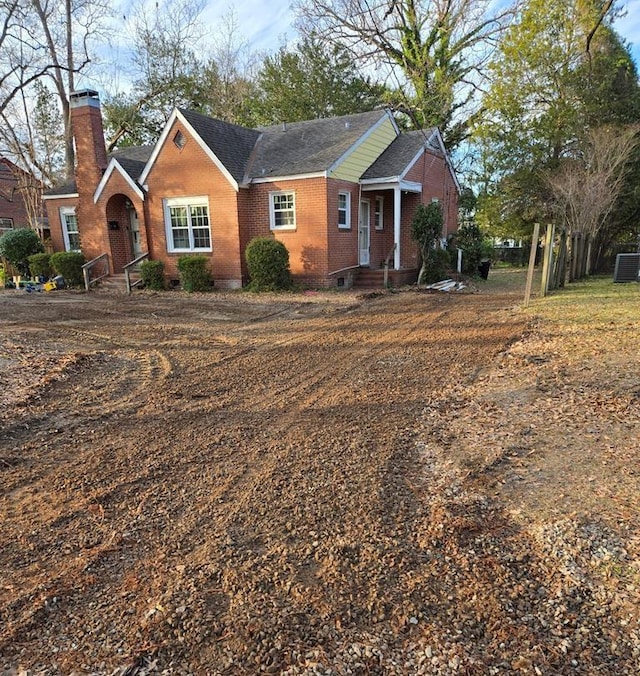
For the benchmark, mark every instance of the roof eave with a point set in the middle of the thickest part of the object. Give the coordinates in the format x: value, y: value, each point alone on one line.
x: 114, y: 165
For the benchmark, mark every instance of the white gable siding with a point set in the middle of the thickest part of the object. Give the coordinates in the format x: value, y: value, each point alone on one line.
x: 365, y: 153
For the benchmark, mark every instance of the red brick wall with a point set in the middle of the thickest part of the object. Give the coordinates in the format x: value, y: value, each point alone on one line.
x: 11, y: 203
x: 342, y: 243
x: 381, y: 240
x: 189, y: 173
x: 307, y: 244
x: 55, y: 225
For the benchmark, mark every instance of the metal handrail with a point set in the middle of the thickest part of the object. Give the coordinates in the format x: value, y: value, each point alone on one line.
x: 127, y: 271
x: 87, y: 267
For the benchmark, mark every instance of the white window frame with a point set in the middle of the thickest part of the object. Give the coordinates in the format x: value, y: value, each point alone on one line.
x: 346, y: 210
x: 189, y: 203
x: 273, y: 210
x: 64, y: 212
x: 378, y: 213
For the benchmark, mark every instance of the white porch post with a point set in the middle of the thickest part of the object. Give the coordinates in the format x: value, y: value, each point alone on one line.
x: 397, y: 212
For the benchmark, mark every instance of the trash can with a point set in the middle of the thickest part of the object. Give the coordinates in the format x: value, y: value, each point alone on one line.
x: 59, y: 282
x: 483, y: 269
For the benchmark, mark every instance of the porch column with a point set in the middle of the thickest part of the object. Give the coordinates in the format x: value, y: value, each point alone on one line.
x: 397, y: 213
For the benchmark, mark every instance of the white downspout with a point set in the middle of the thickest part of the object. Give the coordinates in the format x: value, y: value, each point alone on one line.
x: 397, y: 213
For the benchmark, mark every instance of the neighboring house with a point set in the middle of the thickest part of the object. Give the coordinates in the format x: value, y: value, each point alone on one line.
x: 340, y: 193
x: 17, y: 189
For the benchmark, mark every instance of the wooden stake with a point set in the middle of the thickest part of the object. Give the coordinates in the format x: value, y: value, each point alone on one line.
x: 532, y: 262
x: 548, y: 260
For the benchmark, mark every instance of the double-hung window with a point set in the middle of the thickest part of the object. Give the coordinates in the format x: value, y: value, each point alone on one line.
x: 344, y: 210
x: 187, y: 224
x: 70, y: 231
x: 282, y: 210
x: 6, y: 224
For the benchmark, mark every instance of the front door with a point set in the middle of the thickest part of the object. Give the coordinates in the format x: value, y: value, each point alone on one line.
x: 134, y: 227
x: 364, y: 232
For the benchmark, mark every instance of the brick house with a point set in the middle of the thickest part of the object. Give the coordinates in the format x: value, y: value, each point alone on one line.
x: 340, y: 193
x: 17, y: 188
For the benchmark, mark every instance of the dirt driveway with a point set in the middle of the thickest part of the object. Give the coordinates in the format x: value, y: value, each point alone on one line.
x: 228, y: 484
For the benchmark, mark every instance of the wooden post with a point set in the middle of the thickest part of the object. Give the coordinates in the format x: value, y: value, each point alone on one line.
x: 548, y: 260
x: 532, y: 262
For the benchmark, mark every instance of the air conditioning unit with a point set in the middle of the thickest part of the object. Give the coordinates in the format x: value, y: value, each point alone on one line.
x: 627, y: 268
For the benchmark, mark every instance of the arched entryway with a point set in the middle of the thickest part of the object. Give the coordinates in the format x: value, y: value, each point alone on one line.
x: 125, y: 235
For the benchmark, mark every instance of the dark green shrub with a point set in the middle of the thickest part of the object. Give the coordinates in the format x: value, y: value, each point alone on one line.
x: 17, y: 245
x: 40, y: 265
x: 474, y: 247
x: 437, y: 266
x: 152, y: 275
x: 69, y: 264
x: 426, y: 230
x: 268, y: 264
x: 194, y: 274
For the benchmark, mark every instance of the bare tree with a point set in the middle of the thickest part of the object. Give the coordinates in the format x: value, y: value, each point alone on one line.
x: 435, y: 49
x: 587, y: 185
x: 43, y: 40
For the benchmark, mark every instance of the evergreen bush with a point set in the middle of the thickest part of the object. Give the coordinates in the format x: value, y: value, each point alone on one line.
x: 194, y: 273
x: 152, y: 275
x: 40, y: 265
x: 69, y: 264
x: 268, y: 264
x: 17, y: 245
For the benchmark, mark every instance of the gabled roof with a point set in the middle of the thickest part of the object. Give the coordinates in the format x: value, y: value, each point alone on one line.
x: 310, y: 147
x: 230, y: 143
x: 132, y: 159
x: 400, y: 155
x: 404, y: 151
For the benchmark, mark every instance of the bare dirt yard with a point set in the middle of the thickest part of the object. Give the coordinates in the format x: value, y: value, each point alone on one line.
x: 393, y: 483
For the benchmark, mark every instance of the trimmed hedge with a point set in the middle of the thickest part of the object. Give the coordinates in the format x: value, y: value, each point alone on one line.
x: 40, y: 265
x: 268, y: 264
x: 152, y: 275
x: 194, y: 273
x: 69, y: 264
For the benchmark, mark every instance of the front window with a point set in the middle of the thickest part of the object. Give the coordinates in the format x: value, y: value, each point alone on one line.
x: 344, y: 210
x: 379, y: 225
x: 282, y: 211
x: 70, y: 231
x: 187, y: 223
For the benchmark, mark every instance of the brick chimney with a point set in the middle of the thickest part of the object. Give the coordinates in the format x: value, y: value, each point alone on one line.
x: 91, y: 152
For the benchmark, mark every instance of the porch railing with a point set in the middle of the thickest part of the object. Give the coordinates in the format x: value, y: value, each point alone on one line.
x: 90, y: 275
x: 127, y: 271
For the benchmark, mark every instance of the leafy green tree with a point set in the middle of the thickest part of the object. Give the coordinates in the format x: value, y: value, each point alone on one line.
x: 546, y: 93
x: 314, y: 81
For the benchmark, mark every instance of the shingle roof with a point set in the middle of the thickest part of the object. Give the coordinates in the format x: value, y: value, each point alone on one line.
x: 66, y: 189
x: 231, y: 143
x: 309, y: 147
x: 132, y: 159
x: 397, y: 157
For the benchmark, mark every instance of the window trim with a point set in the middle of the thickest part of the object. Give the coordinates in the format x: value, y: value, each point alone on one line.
x: 3, y: 221
x: 272, y: 210
x: 190, y: 201
x: 347, y: 210
x: 378, y: 214
x: 64, y: 212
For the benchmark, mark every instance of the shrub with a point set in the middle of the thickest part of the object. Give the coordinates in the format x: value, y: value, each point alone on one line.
x: 194, y: 274
x: 17, y: 245
x: 268, y: 264
x: 40, y: 265
x: 474, y: 247
x: 152, y: 275
x: 69, y: 264
x: 436, y: 267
